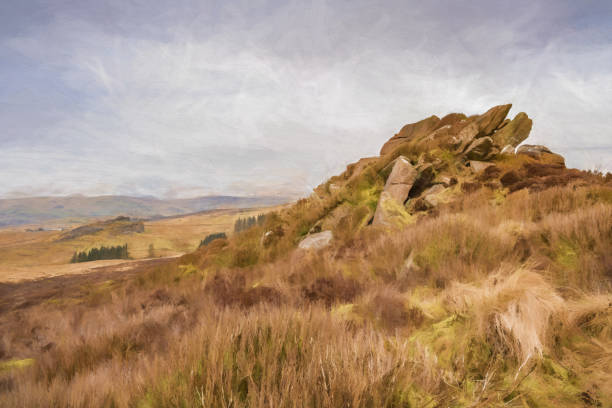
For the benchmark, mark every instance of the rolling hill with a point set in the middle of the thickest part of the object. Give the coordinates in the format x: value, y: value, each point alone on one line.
x: 39, y: 210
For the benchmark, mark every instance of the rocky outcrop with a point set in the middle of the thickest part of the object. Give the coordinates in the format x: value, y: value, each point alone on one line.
x: 492, y: 119
x: 514, y: 132
x: 316, y: 241
x: 430, y: 163
x: 410, y: 132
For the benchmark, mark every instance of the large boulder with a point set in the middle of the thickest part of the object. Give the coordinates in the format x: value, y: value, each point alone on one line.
x: 410, y: 132
x: 492, y: 119
x: 514, y: 132
x: 400, y: 180
x: 390, y: 212
x: 397, y: 187
x: 316, y: 241
x: 542, y: 153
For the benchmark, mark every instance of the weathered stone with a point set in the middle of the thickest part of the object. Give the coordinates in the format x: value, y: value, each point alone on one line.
x: 410, y: 132
x: 540, y: 152
x: 397, y: 188
x: 532, y: 150
x: 431, y: 195
x: 504, y: 123
x: 316, y: 241
x: 514, y: 132
x: 489, y: 121
x: 508, y: 149
x: 429, y: 199
x: 465, y: 137
x: 440, y: 134
x: 400, y: 180
x: 451, y: 119
x: 480, y: 149
x: 478, y: 166
x: 389, y: 212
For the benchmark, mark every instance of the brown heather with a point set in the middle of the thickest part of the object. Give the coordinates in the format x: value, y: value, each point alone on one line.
x: 494, y: 299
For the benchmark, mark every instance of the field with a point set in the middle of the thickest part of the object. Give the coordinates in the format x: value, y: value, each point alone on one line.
x: 503, y: 304
x: 28, y: 255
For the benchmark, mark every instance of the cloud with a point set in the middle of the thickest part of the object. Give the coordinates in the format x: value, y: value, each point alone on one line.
x: 238, y: 99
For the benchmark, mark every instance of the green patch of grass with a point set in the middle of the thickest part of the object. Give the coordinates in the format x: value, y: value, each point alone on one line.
x: 15, y: 364
x: 566, y: 254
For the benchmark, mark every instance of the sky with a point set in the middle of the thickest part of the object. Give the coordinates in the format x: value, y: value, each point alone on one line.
x: 184, y: 98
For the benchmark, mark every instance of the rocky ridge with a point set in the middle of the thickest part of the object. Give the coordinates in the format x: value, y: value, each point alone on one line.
x: 433, y: 161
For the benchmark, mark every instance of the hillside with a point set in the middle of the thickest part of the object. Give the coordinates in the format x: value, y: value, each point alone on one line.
x: 76, y: 209
x: 29, y: 253
x: 451, y: 270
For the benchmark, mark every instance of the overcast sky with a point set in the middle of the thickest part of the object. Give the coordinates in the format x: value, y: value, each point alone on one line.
x: 183, y: 98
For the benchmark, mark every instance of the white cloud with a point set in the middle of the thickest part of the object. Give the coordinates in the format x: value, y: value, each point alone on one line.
x: 281, y: 103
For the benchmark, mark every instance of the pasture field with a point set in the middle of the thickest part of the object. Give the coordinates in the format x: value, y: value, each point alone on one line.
x: 35, y: 254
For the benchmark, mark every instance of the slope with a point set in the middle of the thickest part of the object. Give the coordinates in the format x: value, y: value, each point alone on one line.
x: 454, y: 269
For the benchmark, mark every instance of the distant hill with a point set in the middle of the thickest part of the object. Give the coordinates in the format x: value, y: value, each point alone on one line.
x: 37, y: 210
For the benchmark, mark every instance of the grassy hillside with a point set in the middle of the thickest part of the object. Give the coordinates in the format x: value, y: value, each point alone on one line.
x: 492, y: 290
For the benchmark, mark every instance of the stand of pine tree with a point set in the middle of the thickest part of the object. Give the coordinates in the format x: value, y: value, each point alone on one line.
x: 95, y: 254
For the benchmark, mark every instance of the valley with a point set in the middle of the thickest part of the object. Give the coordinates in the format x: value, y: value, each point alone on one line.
x: 27, y: 253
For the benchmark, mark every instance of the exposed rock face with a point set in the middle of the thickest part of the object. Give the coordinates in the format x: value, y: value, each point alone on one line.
x: 534, y: 151
x: 514, y: 132
x: 390, y: 212
x: 480, y: 149
x: 316, y: 241
x: 452, y: 156
x: 397, y: 187
x: 489, y: 121
x: 411, y: 131
x: 451, y: 119
x: 400, y: 180
x: 466, y: 136
x: 478, y: 166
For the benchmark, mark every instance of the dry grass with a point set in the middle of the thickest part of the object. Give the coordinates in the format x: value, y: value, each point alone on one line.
x: 496, y: 299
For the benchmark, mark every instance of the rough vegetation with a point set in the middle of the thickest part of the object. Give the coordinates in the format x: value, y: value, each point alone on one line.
x: 475, y: 274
